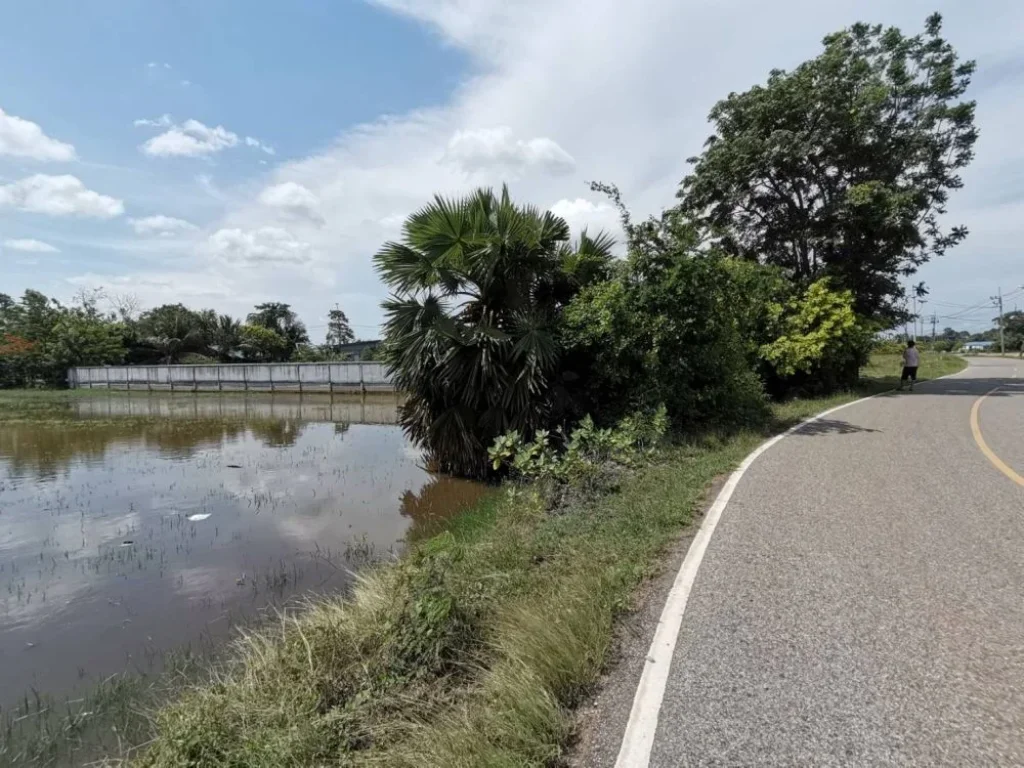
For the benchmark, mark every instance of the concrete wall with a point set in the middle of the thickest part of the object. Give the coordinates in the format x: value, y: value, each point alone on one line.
x: 298, y: 377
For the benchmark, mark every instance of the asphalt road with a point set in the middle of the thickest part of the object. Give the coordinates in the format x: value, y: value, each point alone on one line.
x: 861, y: 602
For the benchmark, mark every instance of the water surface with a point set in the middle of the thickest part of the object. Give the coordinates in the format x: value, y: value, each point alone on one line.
x: 142, y: 524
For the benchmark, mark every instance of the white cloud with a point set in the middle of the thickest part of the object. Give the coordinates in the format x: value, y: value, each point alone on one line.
x: 257, y: 246
x: 163, y: 121
x: 186, y: 83
x: 23, y: 138
x: 59, y: 196
x: 251, y: 141
x: 157, y: 64
x: 499, y: 149
x: 190, y: 139
x: 161, y: 226
x: 293, y: 199
x: 596, y: 90
x: 582, y: 214
x: 30, y: 246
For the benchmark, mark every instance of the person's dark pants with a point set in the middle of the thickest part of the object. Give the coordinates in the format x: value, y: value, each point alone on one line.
x: 909, y: 372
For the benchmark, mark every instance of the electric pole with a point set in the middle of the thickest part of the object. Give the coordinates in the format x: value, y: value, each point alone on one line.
x: 998, y: 299
x: 933, y: 327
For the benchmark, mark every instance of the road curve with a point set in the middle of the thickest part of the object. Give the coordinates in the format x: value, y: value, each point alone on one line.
x: 861, y: 602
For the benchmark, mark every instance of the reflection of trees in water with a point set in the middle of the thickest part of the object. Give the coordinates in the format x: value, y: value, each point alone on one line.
x: 45, y: 450
x: 278, y: 433
x: 341, y: 427
x: 438, y: 499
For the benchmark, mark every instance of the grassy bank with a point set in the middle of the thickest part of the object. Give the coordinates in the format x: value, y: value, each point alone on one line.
x: 883, y: 371
x: 474, y: 649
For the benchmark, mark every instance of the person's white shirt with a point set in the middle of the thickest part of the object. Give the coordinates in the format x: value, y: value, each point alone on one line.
x: 910, y: 357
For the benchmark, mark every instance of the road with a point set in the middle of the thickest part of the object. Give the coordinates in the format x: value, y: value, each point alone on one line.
x: 861, y: 600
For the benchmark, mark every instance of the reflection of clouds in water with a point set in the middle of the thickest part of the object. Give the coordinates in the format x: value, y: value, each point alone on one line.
x: 333, y: 487
x: 205, y: 581
x: 17, y: 611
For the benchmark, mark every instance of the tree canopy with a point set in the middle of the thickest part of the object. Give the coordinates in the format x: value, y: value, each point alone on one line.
x: 40, y: 338
x: 473, y: 326
x: 843, y: 167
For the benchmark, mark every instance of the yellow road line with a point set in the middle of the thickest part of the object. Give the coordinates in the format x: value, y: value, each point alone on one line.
x: 998, y: 463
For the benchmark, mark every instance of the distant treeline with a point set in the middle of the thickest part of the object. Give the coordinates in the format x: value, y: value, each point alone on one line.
x: 40, y: 338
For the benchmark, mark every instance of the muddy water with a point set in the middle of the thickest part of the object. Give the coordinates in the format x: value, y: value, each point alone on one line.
x: 136, y: 525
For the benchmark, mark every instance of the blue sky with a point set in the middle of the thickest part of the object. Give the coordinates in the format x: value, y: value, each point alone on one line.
x: 225, y: 153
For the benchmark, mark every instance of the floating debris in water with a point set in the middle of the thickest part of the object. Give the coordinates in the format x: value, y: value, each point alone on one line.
x: 199, y: 517
x: 233, y: 466
x: 127, y: 543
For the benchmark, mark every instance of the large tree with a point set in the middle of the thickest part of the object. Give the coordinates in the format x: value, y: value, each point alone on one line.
x: 843, y: 167
x: 280, y: 318
x: 473, y: 326
x: 339, y: 331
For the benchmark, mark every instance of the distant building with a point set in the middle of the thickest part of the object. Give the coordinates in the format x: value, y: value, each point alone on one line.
x: 977, y: 346
x: 356, y: 348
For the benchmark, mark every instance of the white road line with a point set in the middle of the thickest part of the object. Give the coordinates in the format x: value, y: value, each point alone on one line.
x: 638, y: 740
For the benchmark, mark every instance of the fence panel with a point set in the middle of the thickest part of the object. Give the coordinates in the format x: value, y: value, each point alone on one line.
x: 256, y: 376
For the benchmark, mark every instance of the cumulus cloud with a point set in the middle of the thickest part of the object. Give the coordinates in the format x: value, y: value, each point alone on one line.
x: 161, y: 226
x: 499, y: 149
x: 294, y: 199
x: 164, y: 121
x: 581, y: 214
x: 59, y: 196
x: 190, y: 139
x: 23, y: 138
x: 258, y: 246
x: 30, y: 246
x: 251, y: 141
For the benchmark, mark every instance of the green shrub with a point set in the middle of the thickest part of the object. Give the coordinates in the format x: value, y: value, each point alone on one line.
x: 586, y: 462
x: 821, y: 342
x: 664, y: 331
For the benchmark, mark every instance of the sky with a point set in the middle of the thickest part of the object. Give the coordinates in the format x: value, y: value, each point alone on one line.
x: 222, y: 154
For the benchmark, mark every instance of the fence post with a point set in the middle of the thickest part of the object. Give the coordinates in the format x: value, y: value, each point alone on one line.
x: 298, y: 375
x: 245, y: 378
x: 220, y: 383
x: 107, y: 371
x: 270, y: 375
x: 362, y: 381
x: 330, y: 380
x: 195, y: 387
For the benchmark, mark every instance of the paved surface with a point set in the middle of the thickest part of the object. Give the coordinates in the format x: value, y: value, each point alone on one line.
x: 862, y: 600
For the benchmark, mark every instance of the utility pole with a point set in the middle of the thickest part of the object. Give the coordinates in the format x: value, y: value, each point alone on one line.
x: 998, y: 299
x: 915, y: 316
x: 933, y: 327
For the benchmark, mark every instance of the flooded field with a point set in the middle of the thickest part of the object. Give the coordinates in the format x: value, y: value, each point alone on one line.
x: 139, y: 524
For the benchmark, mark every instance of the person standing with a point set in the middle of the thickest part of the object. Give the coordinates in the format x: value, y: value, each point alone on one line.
x: 911, y: 360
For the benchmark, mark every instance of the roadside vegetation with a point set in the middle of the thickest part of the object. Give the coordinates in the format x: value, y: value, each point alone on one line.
x: 605, y: 394
x: 40, y: 338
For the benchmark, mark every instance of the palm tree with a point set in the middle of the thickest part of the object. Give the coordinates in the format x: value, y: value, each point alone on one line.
x: 222, y: 334
x: 472, y: 329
